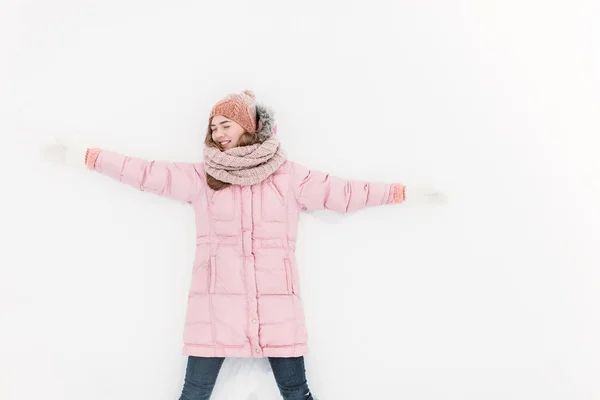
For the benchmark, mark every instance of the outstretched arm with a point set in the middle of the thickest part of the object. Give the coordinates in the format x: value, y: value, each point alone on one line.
x: 179, y: 181
x: 316, y: 190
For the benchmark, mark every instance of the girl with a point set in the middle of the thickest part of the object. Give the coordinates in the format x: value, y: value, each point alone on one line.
x: 244, y: 298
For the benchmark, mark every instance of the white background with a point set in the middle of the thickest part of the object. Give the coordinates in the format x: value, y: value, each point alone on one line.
x: 493, y: 296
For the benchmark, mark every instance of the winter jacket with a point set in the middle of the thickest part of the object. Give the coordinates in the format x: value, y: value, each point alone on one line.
x: 244, y: 298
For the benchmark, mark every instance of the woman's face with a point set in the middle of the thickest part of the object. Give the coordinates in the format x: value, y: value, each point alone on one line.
x: 225, y: 132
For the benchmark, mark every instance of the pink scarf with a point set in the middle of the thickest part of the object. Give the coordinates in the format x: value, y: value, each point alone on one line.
x: 244, y: 165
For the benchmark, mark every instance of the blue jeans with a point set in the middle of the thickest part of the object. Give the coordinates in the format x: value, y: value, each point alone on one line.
x: 201, y: 374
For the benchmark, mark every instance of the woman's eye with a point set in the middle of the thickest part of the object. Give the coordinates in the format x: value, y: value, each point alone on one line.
x: 226, y: 127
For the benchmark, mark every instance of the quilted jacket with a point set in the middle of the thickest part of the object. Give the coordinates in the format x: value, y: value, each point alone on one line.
x: 244, y: 298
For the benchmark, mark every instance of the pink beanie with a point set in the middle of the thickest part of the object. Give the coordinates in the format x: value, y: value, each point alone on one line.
x: 238, y: 107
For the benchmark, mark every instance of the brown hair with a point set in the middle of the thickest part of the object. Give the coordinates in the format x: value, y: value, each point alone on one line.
x: 246, y: 139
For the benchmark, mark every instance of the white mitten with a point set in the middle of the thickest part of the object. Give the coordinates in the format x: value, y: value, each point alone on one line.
x: 54, y: 153
x: 423, y: 195
x: 65, y: 151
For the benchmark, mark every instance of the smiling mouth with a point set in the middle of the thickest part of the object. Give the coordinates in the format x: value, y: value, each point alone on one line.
x: 225, y: 143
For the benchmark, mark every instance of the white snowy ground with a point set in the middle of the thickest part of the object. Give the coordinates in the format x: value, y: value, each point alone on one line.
x: 494, y: 296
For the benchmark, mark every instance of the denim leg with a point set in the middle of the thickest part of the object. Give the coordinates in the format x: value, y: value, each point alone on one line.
x: 200, y: 377
x: 290, y: 376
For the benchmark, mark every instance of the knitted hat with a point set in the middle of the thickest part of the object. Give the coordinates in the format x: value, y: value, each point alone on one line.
x: 238, y: 107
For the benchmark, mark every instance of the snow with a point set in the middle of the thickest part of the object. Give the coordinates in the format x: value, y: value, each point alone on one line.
x: 492, y: 296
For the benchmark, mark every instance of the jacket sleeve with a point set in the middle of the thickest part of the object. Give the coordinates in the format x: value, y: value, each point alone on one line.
x: 178, y: 181
x: 315, y: 190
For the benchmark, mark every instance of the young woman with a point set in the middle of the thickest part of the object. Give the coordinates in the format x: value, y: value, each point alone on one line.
x: 245, y: 297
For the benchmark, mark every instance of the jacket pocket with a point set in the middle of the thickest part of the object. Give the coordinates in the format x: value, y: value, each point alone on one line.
x: 289, y: 275
x: 200, y: 278
x: 212, y: 275
x: 272, y: 202
x: 222, y: 204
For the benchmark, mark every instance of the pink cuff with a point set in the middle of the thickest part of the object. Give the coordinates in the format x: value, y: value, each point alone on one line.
x: 397, y: 194
x: 90, y: 157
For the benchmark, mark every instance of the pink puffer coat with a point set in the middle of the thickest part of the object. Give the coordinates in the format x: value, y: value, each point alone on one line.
x: 244, y: 298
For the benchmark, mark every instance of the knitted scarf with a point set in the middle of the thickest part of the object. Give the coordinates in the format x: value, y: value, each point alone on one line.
x: 245, y: 165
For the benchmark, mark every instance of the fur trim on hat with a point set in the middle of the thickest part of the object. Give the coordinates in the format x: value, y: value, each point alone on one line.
x: 267, y: 117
